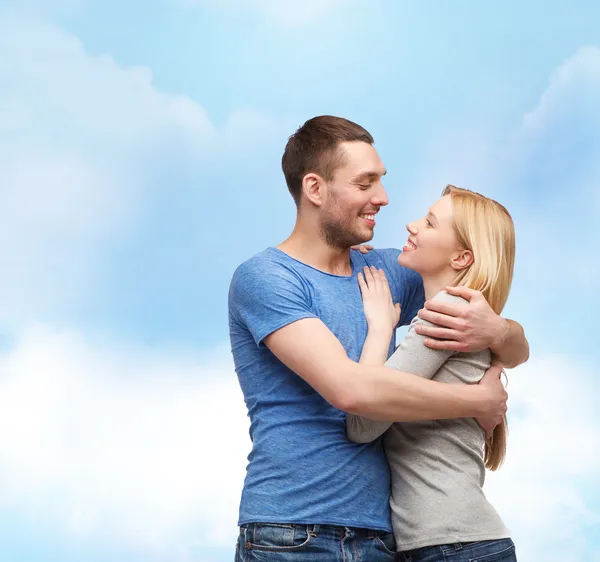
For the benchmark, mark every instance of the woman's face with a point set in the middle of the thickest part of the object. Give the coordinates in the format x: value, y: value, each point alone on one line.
x: 432, y: 245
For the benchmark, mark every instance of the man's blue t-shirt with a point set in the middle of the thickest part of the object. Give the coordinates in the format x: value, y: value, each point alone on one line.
x: 302, y: 468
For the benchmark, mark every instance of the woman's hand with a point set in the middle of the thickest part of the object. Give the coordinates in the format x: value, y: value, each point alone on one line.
x: 362, y: 248
x: 381, y: 312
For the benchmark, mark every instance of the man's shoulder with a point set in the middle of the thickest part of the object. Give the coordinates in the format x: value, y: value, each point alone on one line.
x: 262, y: 262
x: 388, y: 258
x: 383, y: 254
x: 267, y: 270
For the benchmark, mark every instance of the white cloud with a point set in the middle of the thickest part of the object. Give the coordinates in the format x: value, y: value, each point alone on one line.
x: 73, y: 132
x: 81, y: 142
x: 147, y: 448
x: 289, y: 13
x: 560, y: 139
x: 56, y: 82
x: 553, y: 460
x: 140, y: 447
x: 546, y: 171
x: 577, y: 79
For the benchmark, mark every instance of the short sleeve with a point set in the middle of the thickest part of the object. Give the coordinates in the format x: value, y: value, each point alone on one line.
x: 266, y: 296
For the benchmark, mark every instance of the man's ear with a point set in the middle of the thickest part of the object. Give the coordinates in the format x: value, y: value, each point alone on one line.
x: 461, y: 260
x: 314, y: 188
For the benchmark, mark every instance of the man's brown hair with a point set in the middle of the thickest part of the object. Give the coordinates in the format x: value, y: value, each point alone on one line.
x: 314, y: 148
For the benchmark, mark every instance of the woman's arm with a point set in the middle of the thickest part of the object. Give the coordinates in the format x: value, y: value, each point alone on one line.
x: 472, y: 325
x: 410, y: 356
x: 381, y: 313
x: 382, y: 317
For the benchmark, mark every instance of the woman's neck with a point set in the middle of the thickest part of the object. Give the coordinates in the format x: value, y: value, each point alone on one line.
x: 433, y: 284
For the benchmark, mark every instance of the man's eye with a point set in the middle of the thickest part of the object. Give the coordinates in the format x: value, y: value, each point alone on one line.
x: 365, y: 185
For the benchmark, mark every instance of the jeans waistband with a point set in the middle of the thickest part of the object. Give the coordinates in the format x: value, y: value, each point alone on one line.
x: 334, y: 532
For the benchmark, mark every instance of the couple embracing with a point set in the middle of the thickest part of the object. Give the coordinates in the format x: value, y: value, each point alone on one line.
x: 364, y: 448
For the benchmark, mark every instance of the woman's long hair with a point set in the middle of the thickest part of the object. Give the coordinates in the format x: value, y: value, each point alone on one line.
x: 485, y: 227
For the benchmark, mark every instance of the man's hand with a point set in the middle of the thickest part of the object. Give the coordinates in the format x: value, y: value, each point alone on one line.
x: 467, y: 328
x: 498, y: 397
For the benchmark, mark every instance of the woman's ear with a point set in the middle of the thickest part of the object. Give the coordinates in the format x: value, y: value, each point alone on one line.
x: 461, y: 260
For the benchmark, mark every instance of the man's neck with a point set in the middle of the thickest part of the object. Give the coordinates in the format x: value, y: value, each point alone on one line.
x: 310, y: 248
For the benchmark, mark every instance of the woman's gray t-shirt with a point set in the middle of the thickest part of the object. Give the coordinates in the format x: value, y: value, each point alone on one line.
x: 437, y: 467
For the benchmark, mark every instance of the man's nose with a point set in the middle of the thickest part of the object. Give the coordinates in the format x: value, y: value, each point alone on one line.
x: 380, y: 198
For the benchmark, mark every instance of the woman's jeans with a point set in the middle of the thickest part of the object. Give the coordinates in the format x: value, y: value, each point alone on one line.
x: 502, y: 550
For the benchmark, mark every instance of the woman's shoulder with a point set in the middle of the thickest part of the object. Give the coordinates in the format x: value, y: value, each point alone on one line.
x: 444, y: 296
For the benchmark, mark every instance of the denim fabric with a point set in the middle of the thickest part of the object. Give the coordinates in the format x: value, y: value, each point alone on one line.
x: 501, y: 550
x: 258, y: 542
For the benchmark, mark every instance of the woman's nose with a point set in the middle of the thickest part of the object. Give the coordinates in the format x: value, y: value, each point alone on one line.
x: 411, y: 228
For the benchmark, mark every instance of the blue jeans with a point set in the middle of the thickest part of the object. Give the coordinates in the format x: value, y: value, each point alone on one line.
x: 269, y: 542
x: 502, y: 550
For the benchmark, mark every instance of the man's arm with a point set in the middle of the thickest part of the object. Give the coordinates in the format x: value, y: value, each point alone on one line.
x: 411, y: 355
x: 473, y: 327
x: 513, y: 349
x: 311, y: 350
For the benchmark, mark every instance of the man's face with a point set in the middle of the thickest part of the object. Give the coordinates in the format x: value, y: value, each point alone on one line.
x: 353, y: 197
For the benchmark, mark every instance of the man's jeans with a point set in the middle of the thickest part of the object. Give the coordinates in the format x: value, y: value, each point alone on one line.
x: 270, y: 542
x: 502, y: 550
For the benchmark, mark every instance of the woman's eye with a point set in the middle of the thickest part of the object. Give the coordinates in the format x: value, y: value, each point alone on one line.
x: 428, y: 222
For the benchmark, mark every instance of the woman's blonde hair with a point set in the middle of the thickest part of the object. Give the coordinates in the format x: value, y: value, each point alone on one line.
x: 485, y: 227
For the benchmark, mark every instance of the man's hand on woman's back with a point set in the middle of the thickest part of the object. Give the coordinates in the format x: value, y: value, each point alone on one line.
x: 498, y: 397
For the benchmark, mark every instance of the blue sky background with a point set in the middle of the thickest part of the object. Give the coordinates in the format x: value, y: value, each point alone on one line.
x: 140, y: 150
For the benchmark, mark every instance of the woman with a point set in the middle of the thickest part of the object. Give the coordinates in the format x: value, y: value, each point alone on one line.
x: 439, y: 510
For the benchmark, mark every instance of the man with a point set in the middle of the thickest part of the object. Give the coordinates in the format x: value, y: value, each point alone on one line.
x: 297, y: 328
